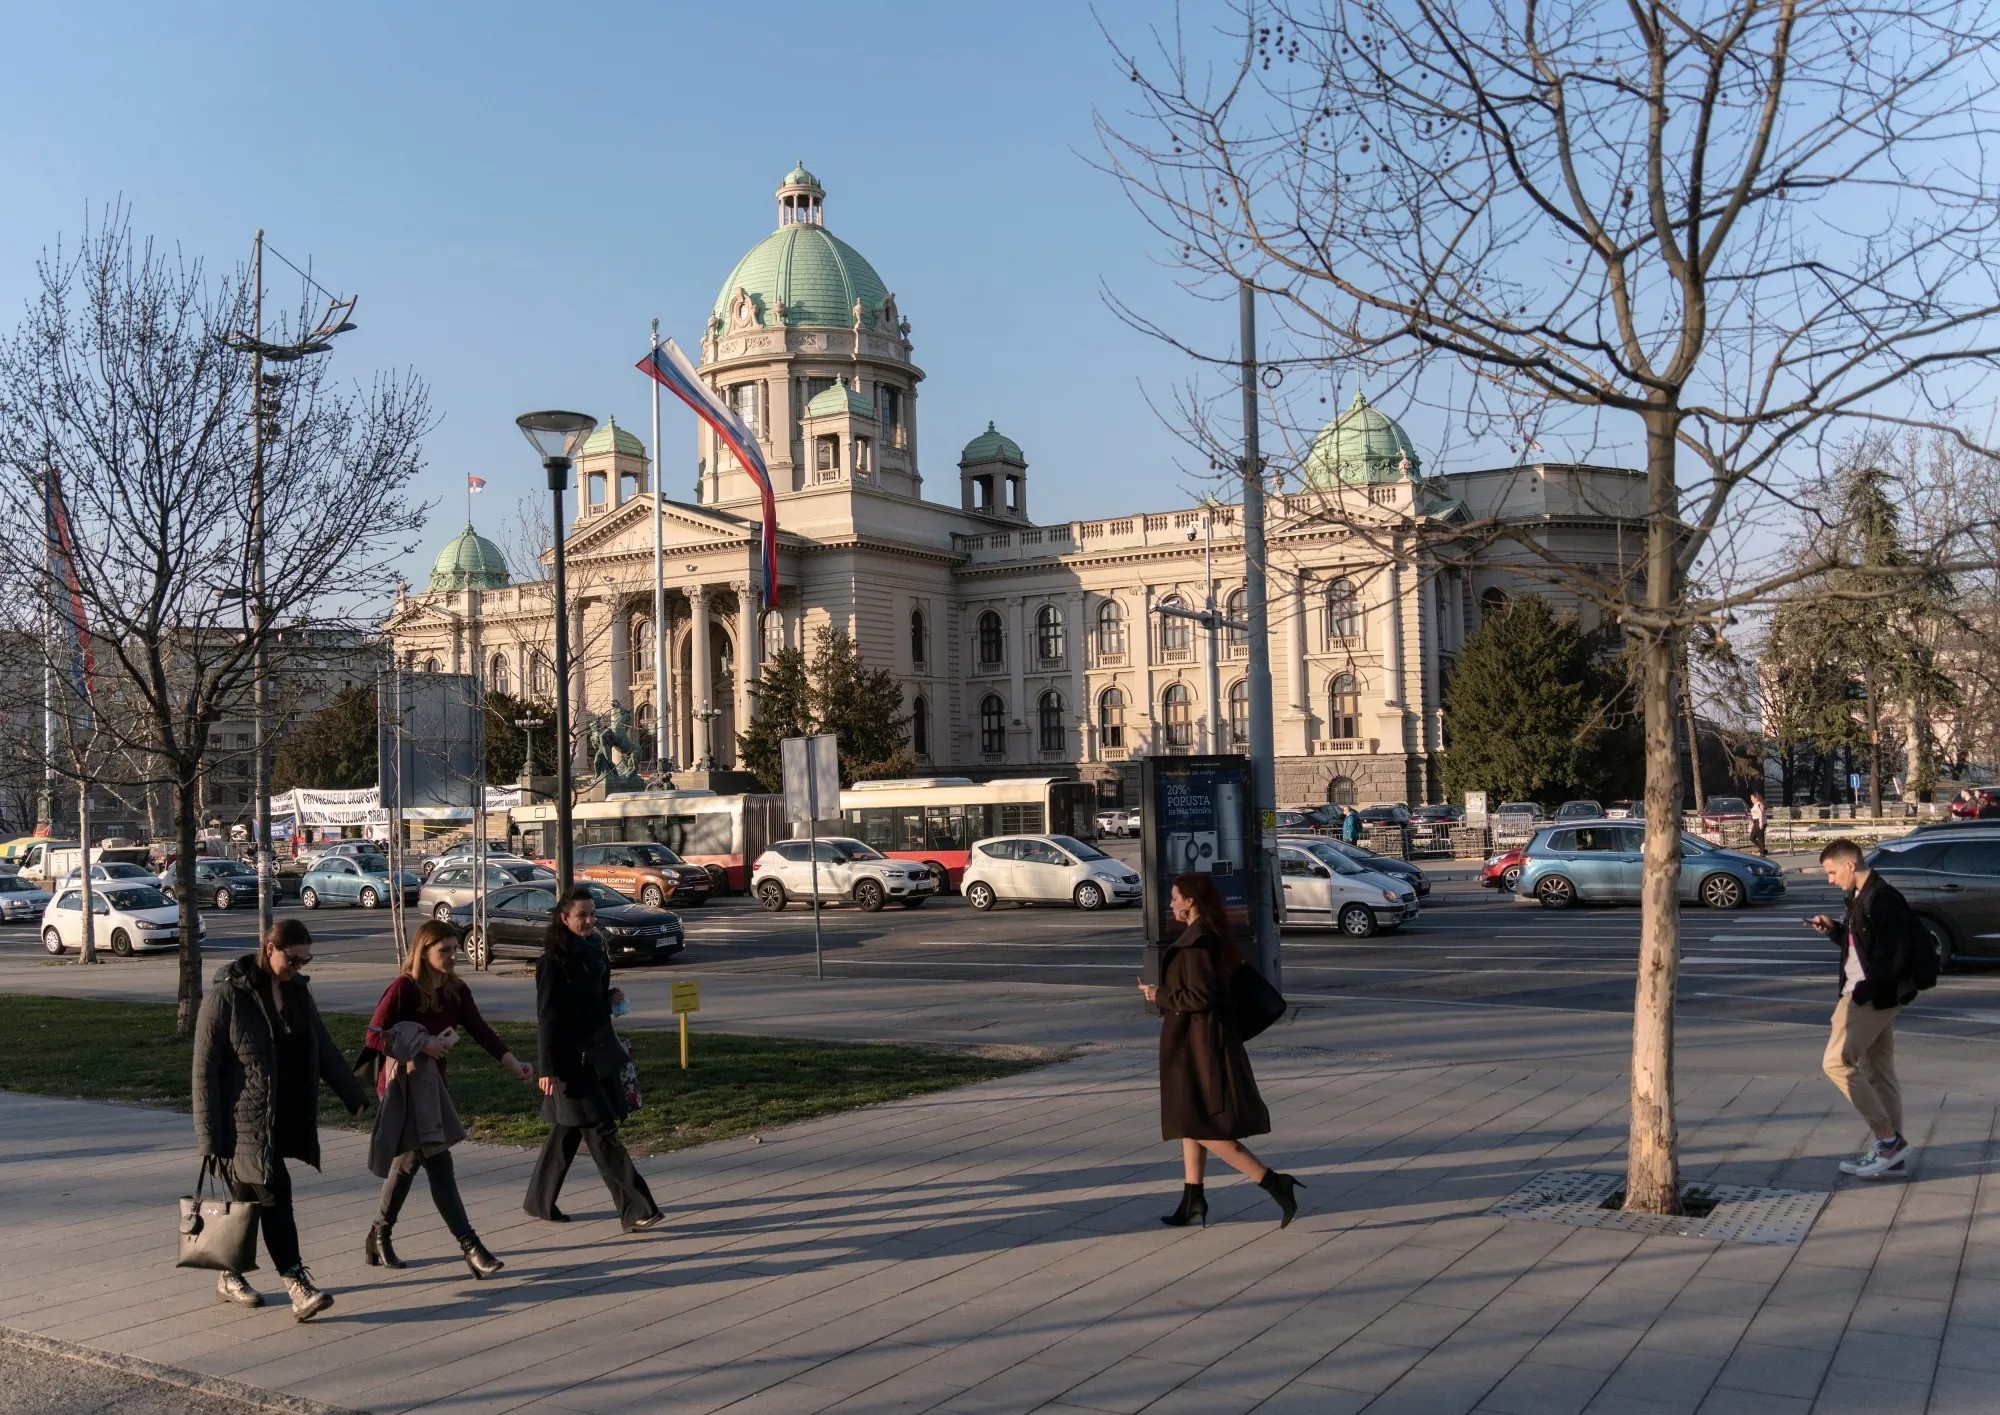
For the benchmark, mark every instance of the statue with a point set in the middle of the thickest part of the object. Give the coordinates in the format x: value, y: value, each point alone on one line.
x: 613, y: 755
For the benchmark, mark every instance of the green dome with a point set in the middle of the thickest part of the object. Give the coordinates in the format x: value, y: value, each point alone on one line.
x: 815, y: 275
x: 613, y: 438
x: 1361, y: 447
x: 799, y: 177
x: 991, y: 446
x: 470, y: 562
x: 840, y: 399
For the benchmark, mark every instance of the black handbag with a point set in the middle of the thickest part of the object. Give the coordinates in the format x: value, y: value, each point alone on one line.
x: 604, y: 1053
x: 1258, y: 1004
x: 217, y: 1233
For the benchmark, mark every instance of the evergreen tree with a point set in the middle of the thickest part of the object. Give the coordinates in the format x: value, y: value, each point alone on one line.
x: 334, y: 748
x: 837, y: 693
x: 784, y: 709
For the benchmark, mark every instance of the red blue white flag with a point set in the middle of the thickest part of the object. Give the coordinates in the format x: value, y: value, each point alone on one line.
x: 669, y: 367
x: 66, y: 599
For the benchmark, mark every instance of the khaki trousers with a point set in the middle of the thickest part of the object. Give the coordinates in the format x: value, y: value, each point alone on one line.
x: 1861, y: 1060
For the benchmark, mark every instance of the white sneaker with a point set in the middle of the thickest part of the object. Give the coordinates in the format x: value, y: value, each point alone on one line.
x: 1889, y: 1157
x: 1853, y: 1166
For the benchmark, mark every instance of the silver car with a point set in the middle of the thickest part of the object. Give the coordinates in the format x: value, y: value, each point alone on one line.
x: 453, y: 883
x: 21, y: 900
x: 1046, y: 869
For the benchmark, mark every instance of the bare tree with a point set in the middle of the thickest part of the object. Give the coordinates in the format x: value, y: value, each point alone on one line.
x: 1710, y: 232
x: 117, y: 378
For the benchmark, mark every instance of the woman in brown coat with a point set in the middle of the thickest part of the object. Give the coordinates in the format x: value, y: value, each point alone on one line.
x: 1208, y: 1097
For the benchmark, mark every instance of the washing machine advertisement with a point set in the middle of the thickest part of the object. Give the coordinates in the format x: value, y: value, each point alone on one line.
x: 1197, y: 820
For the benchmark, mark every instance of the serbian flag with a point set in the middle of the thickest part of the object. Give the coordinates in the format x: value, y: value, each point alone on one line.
x: 476, y: 484
x: 668, y: 367
x: 71, y: 623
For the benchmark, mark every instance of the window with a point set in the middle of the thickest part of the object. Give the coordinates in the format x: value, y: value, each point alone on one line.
x: 1343, y: 611
x: 826, y: 458
x: 793, y: 850
x: 992, y: 641
x: 1235, y: 642
x: 645, y: 737
x: 1175, y: 634
x: 920, y: 638
x: 1492, y: 601
x: 1111, y: 718
x: 993, y: 849
x: 542, y: 675
x: 1110, y: 630
x: 431, y: 664
x: 747, y: 400
x: 642, y: 644
x: 774, y: 634
x: 992, y: 725
x: 499, y: 678
x: 1049, y: 634
x: 1343, y: 717
x: 1239, y: 717
x: 862, y: 464
x: 1341, y: 792
x: 920, y: 726
x: 890, y: 401
x: 815, y: 387
x: 1049, y: 722
x: 1971, y: 857
x: 1177, y: 711
x: 1040, y: 852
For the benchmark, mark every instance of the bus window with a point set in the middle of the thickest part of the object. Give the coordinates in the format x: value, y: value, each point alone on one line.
x: 710, y: 833
x: 1073, y: 808
x: 876, y: 825
x: 909, y: 828
x: 944, y: 828
x: 1019, y: 818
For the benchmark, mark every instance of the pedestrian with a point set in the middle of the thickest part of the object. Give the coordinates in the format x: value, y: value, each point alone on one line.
x: 260, y: 1053
x: 1208, y: 1096
x: 414, y: 1028
x: 1350, y: 826
x: 1879, y: 937
x: 573, y: 1008
x: 1759, y: 819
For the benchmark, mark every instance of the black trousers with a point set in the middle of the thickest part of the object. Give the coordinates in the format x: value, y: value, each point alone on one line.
x: 274, y: 1215
x: 614, y: 1164
x: 444, y: 1190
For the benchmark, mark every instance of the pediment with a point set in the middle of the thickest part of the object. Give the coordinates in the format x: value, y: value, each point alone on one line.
x: 630, y: 528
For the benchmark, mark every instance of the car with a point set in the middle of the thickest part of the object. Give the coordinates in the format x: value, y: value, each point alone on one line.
x: 1503, y: 871
x: 1515, y: 821
x: 1324, y: 888
x: 848, y: 869
x: 454, y: 883
x: 1600, y: 861
x: 645, y: 871
x: 21, y: 899
x: 1298, y: 821
x: 1113, y: 822
x: 1579, y: 811
x: 1625, y: 810
x: 119, y: 872
x: 1977, y: 803
x: 1951, y: 879
x: 1389, y: 865
x: 1045, y: 869
x: 355, y: 879
x: 1724, y: 810
x: 462, y: 850
x: 227, y: 883
x: 127, y: 918
x: 517, y: 920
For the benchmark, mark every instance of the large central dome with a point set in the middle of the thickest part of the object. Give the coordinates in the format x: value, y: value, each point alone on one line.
x: 801, y: 274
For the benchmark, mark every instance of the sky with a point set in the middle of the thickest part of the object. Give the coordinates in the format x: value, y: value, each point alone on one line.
x: 514, y: 193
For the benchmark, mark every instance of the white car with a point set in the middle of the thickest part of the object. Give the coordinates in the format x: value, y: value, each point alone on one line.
x: 1046, y: 869
x: 128, y: 918
x: 849, y: 869
x: 1113, y: 822
x: 1324, y: 888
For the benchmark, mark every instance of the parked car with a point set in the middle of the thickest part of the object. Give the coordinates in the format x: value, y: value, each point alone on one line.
x: 1503, y: 871
x: 357, y: 879
x: 1578, y: 811
x: 1385, y: 815
x: 1625, y: 810
x: 1389, y: 865
x: 1433, y: 825
x: 1046, y: 869
x: 517, y: 920
x: 127, y: 919
x: 1516, y: 821
x: 645, y: 871
x: 1114, y: 822
x: 1326, y: 889
x: 21, y: 899
x: 462, y: 850
x: 340, y: 850
x: 1298, y: 821
x: 1952, y: 879
x: 1600, y: 861
x: 454, y: 884
x: 849, y: 869
x: 1725, y: 810
x: 227, y: 883
x: 106, y: 872
x: 1978, y: 803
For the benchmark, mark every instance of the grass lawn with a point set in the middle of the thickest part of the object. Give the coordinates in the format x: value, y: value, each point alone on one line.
x: 734, y: 1085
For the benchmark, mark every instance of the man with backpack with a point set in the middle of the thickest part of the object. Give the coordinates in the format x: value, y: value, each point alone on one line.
x: 1886, y: 959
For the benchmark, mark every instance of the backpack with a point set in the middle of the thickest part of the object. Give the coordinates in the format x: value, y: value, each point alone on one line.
x: 1920, y: 957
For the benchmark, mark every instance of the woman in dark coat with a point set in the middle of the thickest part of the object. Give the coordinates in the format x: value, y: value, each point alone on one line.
x: 1208, y: 1096
x: 260, y: 1053
x: 573, y: 1002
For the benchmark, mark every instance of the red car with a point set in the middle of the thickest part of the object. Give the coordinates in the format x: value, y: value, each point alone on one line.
x: 1503, y: 871
x: 1725, y: 810
x: 1978, y: 803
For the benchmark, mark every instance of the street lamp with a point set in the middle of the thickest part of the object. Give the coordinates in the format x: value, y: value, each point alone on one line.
x: 528, y: 726
x: 555, y: 437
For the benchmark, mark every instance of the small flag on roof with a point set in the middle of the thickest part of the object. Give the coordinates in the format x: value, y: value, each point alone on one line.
x: 477, y: 484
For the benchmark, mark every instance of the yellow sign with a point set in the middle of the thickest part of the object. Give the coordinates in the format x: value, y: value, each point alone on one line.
x: 687, y: 997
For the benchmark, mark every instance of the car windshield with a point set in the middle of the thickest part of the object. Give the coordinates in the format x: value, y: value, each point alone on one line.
x: 1519, y: 808
x: 230, y: 867
x: 137, y: 896
x: 14, y: 884
x: 373, y: 864
x: 855, y: 850
x: 1078, y: 848
x: 1718, y: 805
x: 655, y: 855
x: 606, y: 896
x: 524, y: 873
x: 1332, y: 857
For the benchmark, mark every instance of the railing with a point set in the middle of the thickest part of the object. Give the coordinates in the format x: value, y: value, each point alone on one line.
x: 1110, y: 658
x: 1184, y: 653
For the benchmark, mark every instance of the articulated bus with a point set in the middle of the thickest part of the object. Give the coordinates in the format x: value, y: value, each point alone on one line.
x: 724, y: 834
x: 935, y: 819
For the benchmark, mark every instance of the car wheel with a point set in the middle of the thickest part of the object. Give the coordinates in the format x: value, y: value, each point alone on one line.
x: 369, y: 899
x: 1721, y: 891
x: 771, y: 895
x: 121, y: 943
x: 869, y: 895
x: 309, y: 898
x: 718, y: 879
x: 475, y: 948
x: 1089, y: 896
x: 1357, y: 921
x: 52, y: 941
x: 222, y: 899
x: 979, y: 894
x: 442, y: 913
x: 1556, y: 892
x: 651, y: 896
x: 1510, y: 878
x: 940, y: 874
x: 1941, y: 941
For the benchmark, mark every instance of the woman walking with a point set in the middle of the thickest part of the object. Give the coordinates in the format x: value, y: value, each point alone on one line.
x: 573, y: 1002
x: 260, y: 1053
x: 1208, y: 1097
x: 420, y: 1017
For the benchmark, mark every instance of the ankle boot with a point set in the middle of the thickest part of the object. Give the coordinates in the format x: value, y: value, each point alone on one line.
x: 1281, y: 1187
x: 1193, y: 1209
x: 378, y: 1251
x: 482, y: 1263
x: 307, y: 1299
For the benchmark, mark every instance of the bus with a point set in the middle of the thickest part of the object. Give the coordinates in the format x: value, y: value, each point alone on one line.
x: 935, y: 819
x: 723, y: 834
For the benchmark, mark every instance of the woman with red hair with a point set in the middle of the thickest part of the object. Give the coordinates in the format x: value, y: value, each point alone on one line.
x: 1208, y: 1096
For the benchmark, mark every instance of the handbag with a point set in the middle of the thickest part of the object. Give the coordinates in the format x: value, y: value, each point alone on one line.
x: 1258, y: 1004
x: 604, y: 1053
x: 628, y: 1084
x: 217, y: 1233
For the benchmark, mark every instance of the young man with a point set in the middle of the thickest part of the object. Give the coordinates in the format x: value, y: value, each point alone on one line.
x: 1876, y: 939
x: 1759, y: 820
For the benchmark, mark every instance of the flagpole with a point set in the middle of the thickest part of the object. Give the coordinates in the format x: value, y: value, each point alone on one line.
x: 659, y: 584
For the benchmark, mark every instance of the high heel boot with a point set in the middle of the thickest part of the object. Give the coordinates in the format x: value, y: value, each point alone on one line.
x: 482, y: 1263
x: 378, y: 1251
x: 1193, y: 1209
x: 1282, y: 1187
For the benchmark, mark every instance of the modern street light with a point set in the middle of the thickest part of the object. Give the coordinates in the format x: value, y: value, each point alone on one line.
x: 555, y: 436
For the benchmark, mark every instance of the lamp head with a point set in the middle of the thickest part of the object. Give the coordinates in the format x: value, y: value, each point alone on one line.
x: 555, y: 435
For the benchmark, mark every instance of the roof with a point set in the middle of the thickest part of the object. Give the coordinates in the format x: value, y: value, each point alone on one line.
x: 992, y: 445
x: 469, y: 562
x: 840, y: 398
x: 1361, y: 447
x: 799, y: 177
x: 612, y: 438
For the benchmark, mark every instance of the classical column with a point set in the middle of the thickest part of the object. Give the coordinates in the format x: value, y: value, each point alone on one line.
x: 621, y: 653
x: 1392, y: 650
x: 1017, y: 665
x: 1144, y: 632
x: 748, y: 647
x: 1295, y: 635
x: 699, y: 691
x: 1430, y: 641
x: 1073, y: 642
x: 579, y: 709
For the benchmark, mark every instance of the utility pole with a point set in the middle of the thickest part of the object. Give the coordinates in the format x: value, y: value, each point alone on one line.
x: 1263, y: 777
x: 261, y: 408
x: 1209, y: 625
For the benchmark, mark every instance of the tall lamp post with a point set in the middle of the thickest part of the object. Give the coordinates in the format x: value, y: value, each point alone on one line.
x: 528, y: 726
x: 555, y: 436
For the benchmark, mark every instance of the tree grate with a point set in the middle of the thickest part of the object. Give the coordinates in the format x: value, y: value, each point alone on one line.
x: 1720, y: 1213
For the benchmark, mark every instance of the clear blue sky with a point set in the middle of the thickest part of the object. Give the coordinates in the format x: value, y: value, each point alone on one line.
x: 515, y: 191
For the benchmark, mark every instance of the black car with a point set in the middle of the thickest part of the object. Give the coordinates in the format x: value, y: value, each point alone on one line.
x: 1435, y: 823
x: 517, y: 920
x: 1952, y: 880
x: 1383, y: 864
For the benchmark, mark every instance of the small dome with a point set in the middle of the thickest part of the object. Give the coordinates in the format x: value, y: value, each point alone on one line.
x: 992, y: 446
x: 840, y: 399
x: 612, y: 438
x: 799, y: 177
x: 1361, y: 447
x: 470, y: 562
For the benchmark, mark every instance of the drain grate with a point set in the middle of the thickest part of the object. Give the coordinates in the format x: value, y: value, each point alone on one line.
x: 1734, y: 1213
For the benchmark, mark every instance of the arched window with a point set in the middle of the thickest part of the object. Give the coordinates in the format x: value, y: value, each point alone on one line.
x: 1111, y: 719
x: 1239, y: 717
x: 992, y: 641
x: 992, y: 725
x: 1049, y: 722
x: 1110, y: 630
x: 920, y: 726
x: 920, y: 638
x: 1343, y: 610
x: 1492, y: 601
x: 1175, y: 634
x: 774, y: 634
x: 1049, y: 634
x: 1343, y: 715
x: 499, y: 677
x: 541, y: 676
x: 1177, y: 711
x: 1235, y: 642
x: 642, y: 644
x: 431, y: 664
x: 1340, y: 791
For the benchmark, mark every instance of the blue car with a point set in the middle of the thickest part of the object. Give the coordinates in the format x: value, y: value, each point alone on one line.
x: 1599, y: 861
x: 359, y: 879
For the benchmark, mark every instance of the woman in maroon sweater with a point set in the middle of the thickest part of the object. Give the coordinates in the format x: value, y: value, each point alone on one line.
x: 429, y: 993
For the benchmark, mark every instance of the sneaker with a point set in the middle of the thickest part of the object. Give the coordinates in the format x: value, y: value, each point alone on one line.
x: 1889, y: 1156
x: 231, y: 1287
x: 307, y: 1300
x: 1853, y: 1166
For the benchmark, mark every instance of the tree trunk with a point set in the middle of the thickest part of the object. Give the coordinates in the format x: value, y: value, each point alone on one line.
x: 1874, y: 752
x: 186, y: 809
x: 1693, y: 736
